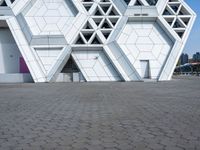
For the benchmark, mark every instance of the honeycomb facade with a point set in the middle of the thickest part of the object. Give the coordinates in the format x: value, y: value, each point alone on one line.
x: 92, y: 40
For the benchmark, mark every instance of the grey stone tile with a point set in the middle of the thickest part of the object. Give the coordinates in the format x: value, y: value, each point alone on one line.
x: 88, y: 116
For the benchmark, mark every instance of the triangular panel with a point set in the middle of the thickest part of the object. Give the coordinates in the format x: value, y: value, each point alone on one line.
x: 48, y: 56
x: 95, y: 66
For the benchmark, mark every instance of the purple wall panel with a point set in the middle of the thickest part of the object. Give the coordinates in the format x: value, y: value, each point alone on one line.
x: 23, y: 66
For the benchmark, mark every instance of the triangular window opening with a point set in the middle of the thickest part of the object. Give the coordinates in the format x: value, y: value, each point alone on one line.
x: 87, y: 26
x: 167, y: 12
x: 183, y: 11
x: 98, y: 13
x: 87, y: 36
x: 113, y: 12
x: 80, y: 40
x: 87, y: 7
x: 175, y: 8
x: 97, y: 21
x: 185, y: 20
x: 180, y: 34
x: 152, y: 2
x: 105, y: 8
x: 96, y: 41
x: 106, y: 25
x: 113, y: 21
x: 127, y: 1
x: 138, y: 3
x: 3, y: 3
x: 106, y: 34
x: 177, y: 24
x: 70, y: 66
x: 170, y: 20
x: 105, y: 1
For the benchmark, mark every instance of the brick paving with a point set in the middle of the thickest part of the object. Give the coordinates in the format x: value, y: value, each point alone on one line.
x: 101, y: 116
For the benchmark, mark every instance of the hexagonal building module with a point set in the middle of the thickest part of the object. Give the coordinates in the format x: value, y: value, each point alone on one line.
x: 92, y: 40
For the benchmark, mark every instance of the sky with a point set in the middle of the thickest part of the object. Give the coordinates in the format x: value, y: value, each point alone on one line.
x: 193, y: 43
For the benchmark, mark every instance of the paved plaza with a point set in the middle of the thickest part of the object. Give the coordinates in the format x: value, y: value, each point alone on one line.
x: 101, y: 116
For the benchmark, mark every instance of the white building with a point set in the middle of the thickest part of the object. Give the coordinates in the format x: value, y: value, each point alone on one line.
x: 92, y: 40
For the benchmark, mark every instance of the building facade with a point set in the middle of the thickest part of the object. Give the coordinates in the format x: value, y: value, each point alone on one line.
x: 196, y: 57
x: 184, y: 59
x: 92, y: 40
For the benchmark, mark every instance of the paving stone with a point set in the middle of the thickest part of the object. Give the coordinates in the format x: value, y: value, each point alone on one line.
x: 100, y: 116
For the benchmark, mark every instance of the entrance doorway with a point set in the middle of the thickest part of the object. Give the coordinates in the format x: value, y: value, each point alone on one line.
x: 70, y: 72
x: 145, y: 71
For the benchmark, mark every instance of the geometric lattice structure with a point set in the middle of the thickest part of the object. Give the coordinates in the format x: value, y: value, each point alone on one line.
x: 177, y: 16
x: 93, y: 40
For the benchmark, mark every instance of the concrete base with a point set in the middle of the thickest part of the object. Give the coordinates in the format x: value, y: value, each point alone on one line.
x: 64, y: 77
x: 15, y: 78
x: 70, y: 77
